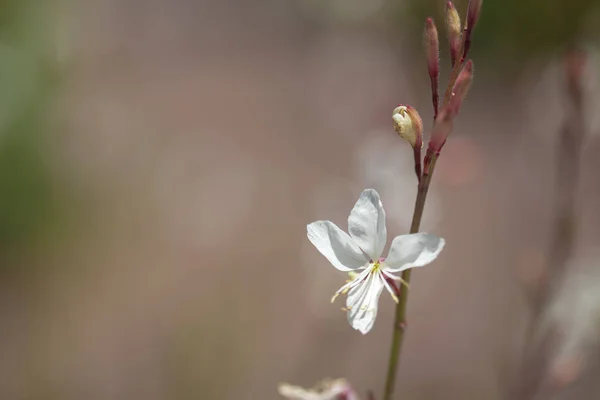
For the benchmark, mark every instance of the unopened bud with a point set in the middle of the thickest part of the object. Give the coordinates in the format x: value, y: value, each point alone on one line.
x: 453, y: 29
x: 408, y: 124
x: 441, y: 129
x: 461, y: 87
x: 432, y: 47
x: 445, y: 120
x: 473, y: 12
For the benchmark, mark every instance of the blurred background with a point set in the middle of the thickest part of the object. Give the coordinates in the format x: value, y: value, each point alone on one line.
x: 160, y: 159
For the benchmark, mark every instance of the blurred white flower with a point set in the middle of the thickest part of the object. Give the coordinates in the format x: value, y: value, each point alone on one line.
x: 361, y: 251
x: 338, y: 389
x: 543, y: 91
x: 576, y: 308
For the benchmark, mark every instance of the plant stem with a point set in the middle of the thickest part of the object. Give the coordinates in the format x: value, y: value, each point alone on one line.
x: 538, y: 341
x: 400, y: 319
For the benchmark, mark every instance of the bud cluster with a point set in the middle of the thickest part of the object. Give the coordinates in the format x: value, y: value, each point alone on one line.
x: 407, y: 122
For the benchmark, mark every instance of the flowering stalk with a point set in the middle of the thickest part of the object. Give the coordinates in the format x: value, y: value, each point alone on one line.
x: 538, y: 356
x: 458, y: 85
x: 473, y: 12
x: 400, y: 315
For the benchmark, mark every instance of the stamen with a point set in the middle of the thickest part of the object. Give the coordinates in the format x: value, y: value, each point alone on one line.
x: 403, y: 282
x: 350, y: 284
x: 396, y: 278
x: 389, y: 288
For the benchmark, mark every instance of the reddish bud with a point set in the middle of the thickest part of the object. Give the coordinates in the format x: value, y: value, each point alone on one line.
x: 453, y: 30
x: 461, y: 87
x: 441, y: 129
x: 473, y: 12
x: 444, y: 123
x: 432, y: 49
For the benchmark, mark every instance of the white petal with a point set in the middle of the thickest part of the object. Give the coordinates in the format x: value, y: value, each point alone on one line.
x: 362, y: 303
x: 297, y: 392
x: 415, y: 250
x: 366, y: 224
x: 325, y: 390
x: 336, y: 246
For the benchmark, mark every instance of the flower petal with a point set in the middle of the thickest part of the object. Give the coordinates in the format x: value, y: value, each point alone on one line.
x: 366, y: 224
x: 414, y: 250
x: 336, y: 246
x: 297, y: 392
x: 362, y: 303
x: 325, y: 390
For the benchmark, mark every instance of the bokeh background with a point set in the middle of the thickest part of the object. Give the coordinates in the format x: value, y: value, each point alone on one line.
x: 160, y: 159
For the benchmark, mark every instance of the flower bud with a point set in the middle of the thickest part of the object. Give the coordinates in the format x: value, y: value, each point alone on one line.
x: 453, y: 29
x: 432, y: 49
x: 441, y: 129
x: 445, y: 120
x: 461, y: 87
x: 473, y: 12
x: 408, y: 124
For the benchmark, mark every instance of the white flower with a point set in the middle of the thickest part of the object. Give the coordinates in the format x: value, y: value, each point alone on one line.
x: 360, y: 254
x: 338, y: 389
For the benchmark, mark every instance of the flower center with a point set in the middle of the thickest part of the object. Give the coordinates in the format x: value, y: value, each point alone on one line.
x: 376, y: 266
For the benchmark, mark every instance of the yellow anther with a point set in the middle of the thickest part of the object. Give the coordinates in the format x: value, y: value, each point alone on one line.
x: 334, y: 297
x: 404, y: 283
x: 353, y: 275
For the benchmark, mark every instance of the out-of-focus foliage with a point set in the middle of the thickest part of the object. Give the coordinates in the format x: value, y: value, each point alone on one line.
x: 341, y: 11
x: 28, y: 81
x: 511, y: 32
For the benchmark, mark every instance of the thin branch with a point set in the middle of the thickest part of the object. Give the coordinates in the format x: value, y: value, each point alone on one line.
x: 539, y: 344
